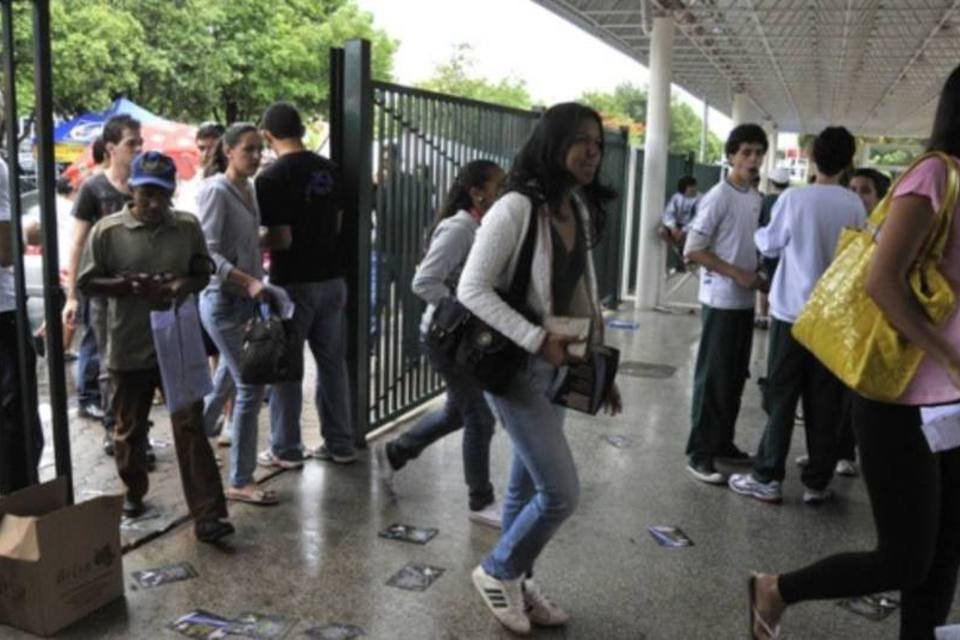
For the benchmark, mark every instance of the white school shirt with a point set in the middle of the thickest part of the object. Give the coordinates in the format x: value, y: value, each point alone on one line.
x: 804, y: 228
x: 8, y: 298
x: 726, y: 220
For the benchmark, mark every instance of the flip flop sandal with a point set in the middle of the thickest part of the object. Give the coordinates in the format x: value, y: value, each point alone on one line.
x: 756, y: 618
x: 261, y: 497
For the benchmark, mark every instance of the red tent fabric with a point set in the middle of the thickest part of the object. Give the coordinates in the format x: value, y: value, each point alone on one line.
x: 172, y: 138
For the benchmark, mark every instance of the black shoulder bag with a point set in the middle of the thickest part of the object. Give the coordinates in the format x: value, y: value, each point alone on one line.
x: 461, y: 342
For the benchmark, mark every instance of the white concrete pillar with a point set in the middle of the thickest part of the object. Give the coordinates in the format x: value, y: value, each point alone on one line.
x: 770, y: 161
x: 651, y: 252
x: 704, y: 128
x: 741, y: 108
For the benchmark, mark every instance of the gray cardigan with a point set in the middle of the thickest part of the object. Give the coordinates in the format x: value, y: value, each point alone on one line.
x: 438, y: 273
x: 231, y: 226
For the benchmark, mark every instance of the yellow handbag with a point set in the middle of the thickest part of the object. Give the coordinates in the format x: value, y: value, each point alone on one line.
x: 843, y: 327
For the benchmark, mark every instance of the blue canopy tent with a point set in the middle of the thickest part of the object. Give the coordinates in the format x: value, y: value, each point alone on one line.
x: 72, y: 137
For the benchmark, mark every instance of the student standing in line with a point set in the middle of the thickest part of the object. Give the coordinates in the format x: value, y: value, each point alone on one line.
x: 231, y: 226
x: 141, y: 259
x: 914, y: 494
x: 676, y: 217
x: 473, y: 192
x: 720, y: 239
x: 779, y: 180
x: 560, y: 162
x: 803, y: 232
x: 871, y: 186
x: 101, y: 195
x: 299, y: 198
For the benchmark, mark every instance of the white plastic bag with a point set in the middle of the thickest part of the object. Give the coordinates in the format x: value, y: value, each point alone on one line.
x: 181, y: 354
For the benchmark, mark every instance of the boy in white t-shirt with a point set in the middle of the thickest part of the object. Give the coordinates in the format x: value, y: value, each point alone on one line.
x: 720, y: 239
x: 804, y: 228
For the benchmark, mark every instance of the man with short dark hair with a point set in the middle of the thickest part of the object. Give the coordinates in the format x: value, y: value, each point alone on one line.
x: 146, y: 258
x: 299, y: 198
x: 720, y: 239
x: 803, y: 231
x: 100, y: 195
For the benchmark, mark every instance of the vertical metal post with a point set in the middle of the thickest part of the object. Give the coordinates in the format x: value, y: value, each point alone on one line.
x: 28, y: 375
x: 46, y: 178
x: 336, y: 105
x: 358, y: 187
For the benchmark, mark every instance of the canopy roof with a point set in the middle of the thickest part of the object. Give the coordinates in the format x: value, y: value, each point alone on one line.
x: 874, y: 66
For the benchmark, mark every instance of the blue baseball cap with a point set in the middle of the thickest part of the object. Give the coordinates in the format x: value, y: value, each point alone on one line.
x: 153, y: 167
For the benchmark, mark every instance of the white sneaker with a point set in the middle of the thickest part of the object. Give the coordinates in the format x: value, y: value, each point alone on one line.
x: 815, y: 497
x: 847, y: 468
x: 269, y: 460
x: 504, y: 598
x: 385, y: 470
x: 746, y: 485
x: 540, y: 610
x: 490, y: 515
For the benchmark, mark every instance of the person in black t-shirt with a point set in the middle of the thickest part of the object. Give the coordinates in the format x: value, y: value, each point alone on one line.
x: 299, y: 198
x: 100, y: 195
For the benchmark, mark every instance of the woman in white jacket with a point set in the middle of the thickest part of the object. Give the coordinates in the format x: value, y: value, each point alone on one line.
x: 557, y: 167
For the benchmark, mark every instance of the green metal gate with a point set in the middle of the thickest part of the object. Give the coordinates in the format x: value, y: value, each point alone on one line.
x: 400, y: 149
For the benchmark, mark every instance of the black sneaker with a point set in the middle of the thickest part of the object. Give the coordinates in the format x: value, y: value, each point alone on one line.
x: 705, y: 472
x: 733, y: 455
x: 133, y: 507
x: 108, y: 445
x: 211, y: 531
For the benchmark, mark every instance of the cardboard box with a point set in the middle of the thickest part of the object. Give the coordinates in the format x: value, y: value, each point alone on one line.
x: 57, y: 563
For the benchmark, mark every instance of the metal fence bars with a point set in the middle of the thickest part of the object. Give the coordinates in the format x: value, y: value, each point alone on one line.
x: 421, y: 140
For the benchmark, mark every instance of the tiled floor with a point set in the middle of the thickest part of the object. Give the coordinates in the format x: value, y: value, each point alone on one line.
x: 316, y: 558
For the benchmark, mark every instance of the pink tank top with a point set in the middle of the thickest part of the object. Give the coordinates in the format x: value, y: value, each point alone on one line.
x: 931, y: 384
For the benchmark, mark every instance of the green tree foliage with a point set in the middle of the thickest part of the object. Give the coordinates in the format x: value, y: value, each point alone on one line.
x: 627, y: 106
x: 456, y: 77
x: 196, y: 59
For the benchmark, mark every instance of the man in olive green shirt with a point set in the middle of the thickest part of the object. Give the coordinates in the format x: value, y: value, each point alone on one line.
x: 144, y: 258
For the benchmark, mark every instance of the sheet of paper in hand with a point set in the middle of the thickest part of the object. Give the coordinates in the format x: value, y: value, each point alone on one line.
x: 149, y: 578
x: 408, y: 533
x: 667, y: 536
x: 941, y: 426
x: 578, y: 328
x: 584, y: 386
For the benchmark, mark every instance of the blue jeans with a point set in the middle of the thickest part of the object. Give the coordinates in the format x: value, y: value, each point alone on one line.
x: 465, y: 408
x: 224, y: 316
x: 543, y: 489
x: 213, y: 404
x: 320, y: 320
x: 88, y: 369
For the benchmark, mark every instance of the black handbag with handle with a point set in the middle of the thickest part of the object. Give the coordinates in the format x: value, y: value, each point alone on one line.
x: 269, y: 351
x: 459, y: 341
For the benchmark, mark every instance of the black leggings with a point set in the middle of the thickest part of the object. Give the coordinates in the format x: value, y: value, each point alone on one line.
x: 915, y: 496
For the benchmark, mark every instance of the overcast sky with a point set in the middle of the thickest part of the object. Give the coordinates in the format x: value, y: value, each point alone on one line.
x: 511, y: 37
